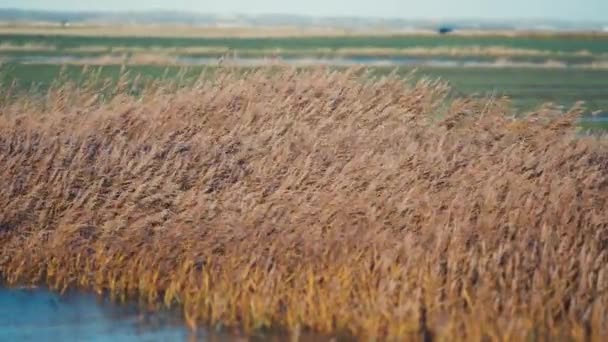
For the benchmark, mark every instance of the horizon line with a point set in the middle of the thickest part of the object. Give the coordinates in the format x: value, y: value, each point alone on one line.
x: 310, y: 16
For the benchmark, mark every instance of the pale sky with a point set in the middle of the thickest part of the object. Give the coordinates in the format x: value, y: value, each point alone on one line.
x: 572, y: 10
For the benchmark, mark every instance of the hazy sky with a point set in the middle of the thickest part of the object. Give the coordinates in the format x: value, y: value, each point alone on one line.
x: 562, y: 9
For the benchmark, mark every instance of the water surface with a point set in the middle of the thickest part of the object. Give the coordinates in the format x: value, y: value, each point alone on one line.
x: 41, y: 315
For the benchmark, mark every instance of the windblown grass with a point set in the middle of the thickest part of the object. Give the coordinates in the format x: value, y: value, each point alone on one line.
x: 312, y: 200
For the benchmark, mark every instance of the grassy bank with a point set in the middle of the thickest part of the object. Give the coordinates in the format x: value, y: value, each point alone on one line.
x: 312, y: 200
x: 527, y: 88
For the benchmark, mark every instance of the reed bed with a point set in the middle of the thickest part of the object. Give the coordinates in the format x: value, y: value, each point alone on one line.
x: 311, y: 200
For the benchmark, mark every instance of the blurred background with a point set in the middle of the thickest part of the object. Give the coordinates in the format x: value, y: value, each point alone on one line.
x: 531, y: 51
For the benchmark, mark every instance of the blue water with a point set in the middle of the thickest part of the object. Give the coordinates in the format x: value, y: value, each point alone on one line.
x: 40, y: 315
x: 596, y: 119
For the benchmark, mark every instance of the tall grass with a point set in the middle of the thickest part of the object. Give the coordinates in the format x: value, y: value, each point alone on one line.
x: 311, y: 200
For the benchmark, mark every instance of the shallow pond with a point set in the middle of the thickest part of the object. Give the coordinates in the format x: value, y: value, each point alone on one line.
x: 41, y: 315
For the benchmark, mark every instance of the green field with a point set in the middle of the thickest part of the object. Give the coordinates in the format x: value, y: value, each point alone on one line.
x: 527, y: 88
x: 579, y: 72
x: 580, y: 50
x: 593, y: 44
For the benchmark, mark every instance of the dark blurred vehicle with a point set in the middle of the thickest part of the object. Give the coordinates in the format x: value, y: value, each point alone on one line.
x: 445, y: 30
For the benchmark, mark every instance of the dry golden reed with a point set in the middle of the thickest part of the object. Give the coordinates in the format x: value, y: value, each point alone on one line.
x: 312, y: 200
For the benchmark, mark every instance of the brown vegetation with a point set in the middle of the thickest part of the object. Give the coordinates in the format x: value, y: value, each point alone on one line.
x: 312, y: 200
x: 112, y: 30
x: 184, y: 30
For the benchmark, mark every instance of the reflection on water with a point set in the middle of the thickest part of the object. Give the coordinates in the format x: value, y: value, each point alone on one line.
x: 39, y: 315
